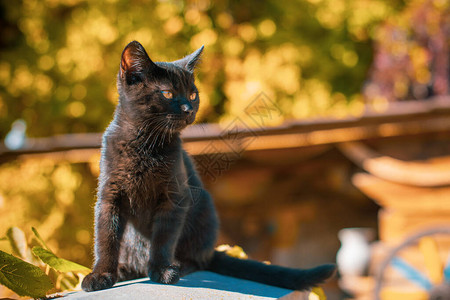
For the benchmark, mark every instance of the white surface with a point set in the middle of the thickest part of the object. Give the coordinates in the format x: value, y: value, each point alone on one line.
x: 199, y: 285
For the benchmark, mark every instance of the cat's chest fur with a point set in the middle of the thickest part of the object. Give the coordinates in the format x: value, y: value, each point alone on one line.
x: 144, y: 177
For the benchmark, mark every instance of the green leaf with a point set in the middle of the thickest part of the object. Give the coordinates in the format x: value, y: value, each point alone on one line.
x: 39, y: 238
x: 59, y: 264
x: 23, y: 278
x: 18, y: 242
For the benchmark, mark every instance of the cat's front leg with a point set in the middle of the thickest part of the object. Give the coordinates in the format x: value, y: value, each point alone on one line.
x: 167, y: 227
x: 109, y: 227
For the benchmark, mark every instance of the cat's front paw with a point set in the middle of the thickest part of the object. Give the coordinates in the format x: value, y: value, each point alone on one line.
x: 98, y: 281
x: 166, y: 275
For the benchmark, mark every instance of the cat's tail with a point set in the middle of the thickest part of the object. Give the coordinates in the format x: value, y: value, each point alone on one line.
x: 289, y: 278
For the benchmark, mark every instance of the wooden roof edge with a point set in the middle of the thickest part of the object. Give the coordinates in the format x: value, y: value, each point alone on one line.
x: 396, y: 112
x: 402, y: 118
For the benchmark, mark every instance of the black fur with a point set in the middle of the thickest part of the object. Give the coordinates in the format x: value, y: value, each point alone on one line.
x: 153, y: 217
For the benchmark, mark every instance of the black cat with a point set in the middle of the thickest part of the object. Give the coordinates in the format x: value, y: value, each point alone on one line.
x: 153, y: 217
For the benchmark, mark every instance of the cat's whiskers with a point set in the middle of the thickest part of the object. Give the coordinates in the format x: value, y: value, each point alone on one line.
x: 156, y: 124
x: 169, y: 131
x: 172, y: 128
x: 144, y: 131
x: 166, y: 132
x: 158, y: 136
x: 159, y: 132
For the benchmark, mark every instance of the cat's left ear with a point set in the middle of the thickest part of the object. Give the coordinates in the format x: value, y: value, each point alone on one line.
x: 135, y: 63
x: 190, y: 61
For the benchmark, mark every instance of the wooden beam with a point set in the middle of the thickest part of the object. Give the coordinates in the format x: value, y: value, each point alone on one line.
x: 427, y: 173
x: 404, y: 198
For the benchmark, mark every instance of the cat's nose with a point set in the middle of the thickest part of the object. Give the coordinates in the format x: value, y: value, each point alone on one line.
x: 187, y: 109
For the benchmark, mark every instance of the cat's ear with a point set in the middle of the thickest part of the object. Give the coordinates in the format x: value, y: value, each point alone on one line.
x: 190, y: 61
x: 135, y: 63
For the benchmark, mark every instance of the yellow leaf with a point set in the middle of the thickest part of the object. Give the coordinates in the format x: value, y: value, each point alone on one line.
x: 234, y: 251
x: 317, y: 293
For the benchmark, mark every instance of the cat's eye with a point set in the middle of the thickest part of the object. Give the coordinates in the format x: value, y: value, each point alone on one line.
x: 167, y: 94
x: 193, y: 96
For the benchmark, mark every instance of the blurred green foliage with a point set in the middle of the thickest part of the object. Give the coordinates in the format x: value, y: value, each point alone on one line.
x: 56, y: 198
x: 59, y: 58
